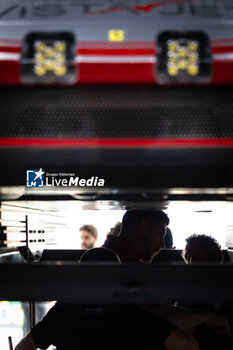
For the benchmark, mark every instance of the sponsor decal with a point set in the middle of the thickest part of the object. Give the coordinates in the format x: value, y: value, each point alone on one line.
x: 116, y: 35
x: 146, y: 8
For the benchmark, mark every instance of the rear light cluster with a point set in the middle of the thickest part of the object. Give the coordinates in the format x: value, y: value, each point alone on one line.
x: 182, y: 57
x: 49, y: 58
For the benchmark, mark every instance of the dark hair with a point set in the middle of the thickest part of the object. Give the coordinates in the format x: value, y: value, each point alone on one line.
x: 91, y: 229
x: 99, y: 254
x: 132, y: 218
x: 115, y: 230
x: 207, y: 245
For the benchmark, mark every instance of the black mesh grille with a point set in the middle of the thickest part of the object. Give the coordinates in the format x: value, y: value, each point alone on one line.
x: 116, y: 112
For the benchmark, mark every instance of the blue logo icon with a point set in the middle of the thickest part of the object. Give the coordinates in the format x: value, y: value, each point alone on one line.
x: 35, y: 178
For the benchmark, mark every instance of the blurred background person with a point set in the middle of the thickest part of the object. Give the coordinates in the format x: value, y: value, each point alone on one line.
x: 89, y: 235
x: 168, y: 239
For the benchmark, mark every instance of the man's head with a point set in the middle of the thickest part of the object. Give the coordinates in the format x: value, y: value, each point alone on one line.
x: 88, y: 236
x: 145, y: 229
x: 100, y: 255
x: 201, y: 248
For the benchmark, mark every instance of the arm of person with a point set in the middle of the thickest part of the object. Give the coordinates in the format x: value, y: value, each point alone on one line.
x: 189, y: 318
x: 26, y: 343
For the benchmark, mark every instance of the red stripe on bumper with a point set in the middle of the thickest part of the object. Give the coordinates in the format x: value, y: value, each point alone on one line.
x: 119, y: 143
